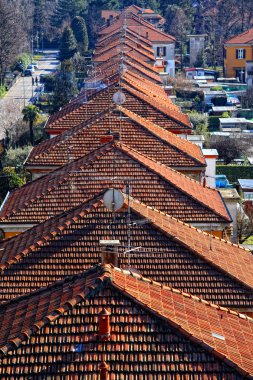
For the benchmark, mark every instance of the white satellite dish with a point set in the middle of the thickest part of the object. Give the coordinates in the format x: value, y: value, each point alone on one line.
x: 113, y: 199
x: 119, y: 98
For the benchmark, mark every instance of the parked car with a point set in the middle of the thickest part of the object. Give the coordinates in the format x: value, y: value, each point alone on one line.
x: 27, y: 73
x: 30, y: 67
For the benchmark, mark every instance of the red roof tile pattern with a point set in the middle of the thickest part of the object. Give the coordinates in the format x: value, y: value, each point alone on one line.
x: 108, y: 38
x: 142, y: 100
x: 145, y: 317
x: 38, y: 256
x: 119, y: 41
x: 243, y: 38
x: 133, y: 65
x: 152, y: 182
x: 115, y: 51
x: 135, y: 131
x: 135, y: 23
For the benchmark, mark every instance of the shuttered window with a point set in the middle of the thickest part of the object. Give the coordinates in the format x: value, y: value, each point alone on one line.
x: 240, y: 53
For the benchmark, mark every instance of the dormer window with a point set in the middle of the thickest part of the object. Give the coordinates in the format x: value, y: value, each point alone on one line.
x: 240, y: 53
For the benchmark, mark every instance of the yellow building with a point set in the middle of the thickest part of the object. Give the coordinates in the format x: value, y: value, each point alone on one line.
x: 237, y: 51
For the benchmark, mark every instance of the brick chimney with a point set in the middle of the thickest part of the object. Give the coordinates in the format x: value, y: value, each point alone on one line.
x: 106, y: 139
x: 109, y: 252
x: 104, y: 325
x: 103, y: 371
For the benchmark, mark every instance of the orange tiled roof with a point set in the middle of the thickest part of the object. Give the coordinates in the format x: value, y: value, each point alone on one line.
x: 215, y: 340
x: 140, y: 54
x: 133, y: 65
x: 159, y: 186
x: 137, y: 100
x: 67, y: 244
x: 243, y: 38
x: 135, y: 23
x: 137, y: 132
x: 155, y: 101
x: 105, y: 40
x: 119, y: 40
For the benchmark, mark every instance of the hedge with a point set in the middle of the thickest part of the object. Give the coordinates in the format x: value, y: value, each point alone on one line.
x: 233, y: 172
x: 213, y: 123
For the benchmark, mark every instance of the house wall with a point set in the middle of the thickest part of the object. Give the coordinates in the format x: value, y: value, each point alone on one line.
x: 169, y: 58
x: 231, y: 62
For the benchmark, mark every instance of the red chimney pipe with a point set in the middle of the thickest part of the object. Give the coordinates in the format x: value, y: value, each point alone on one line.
x: 106, y: 139
x: 104, y: 325
x: 103, y: 371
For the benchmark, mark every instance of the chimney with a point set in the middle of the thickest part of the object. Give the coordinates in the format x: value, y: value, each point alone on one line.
x: 106, y: 139
x: 103, y: 371
x: 104, y: 325
x: 147, y: 35
x: 109, y: 251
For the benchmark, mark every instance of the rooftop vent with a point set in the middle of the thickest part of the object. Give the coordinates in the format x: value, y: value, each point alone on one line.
x: 109, y: 251
x: 104, y: 325
x: 103, y: 371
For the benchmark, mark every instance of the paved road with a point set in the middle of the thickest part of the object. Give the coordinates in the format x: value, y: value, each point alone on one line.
x: 21, y: 93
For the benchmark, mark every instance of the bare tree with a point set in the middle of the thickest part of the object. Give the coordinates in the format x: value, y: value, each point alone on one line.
x: 245, y: 221
x: 12, y: 32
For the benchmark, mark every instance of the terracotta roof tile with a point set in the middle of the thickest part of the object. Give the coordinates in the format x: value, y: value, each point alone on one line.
x: 243, y: 38
x: 105, y: 40
x: 136, y: 23
x: 150, y: 139
x: 140, y: 54
x: 170, y: 252
x: 186, y: 198
x: 214, y: 339
x: 144, y: 99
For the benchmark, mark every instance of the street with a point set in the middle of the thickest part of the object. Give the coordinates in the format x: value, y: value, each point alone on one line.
x: 22, y: 91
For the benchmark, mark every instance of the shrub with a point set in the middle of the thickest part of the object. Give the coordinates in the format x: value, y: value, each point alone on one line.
x: 16, y: 157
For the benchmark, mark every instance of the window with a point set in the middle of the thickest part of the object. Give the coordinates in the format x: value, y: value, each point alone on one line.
x: 161, y: 51
x: 240, y: 53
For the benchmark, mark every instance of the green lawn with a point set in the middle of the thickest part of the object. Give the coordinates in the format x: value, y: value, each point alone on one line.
x: 249, y: 240
x: 2, y: 91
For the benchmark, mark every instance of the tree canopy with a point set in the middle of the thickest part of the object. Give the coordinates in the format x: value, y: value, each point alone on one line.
x: 68, y: 44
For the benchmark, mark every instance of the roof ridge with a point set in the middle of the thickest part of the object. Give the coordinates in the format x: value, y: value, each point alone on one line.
x: 87, y: 157
x: 135, y: 154
x: 159, y: 106
x: 178, y: 291
x: 53, y: 229
x: 103, y: 275
x: 190, y: 226
x: 151, y: 127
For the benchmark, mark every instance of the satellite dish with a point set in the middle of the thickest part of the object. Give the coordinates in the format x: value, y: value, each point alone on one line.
x: 119, y: 98
x: 113, y: 199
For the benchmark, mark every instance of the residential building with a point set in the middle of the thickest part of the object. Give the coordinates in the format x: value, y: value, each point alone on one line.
x: 238, y: 50
x: 163, y: 249
x: 246, y: 188
x: 108, y: 323
x: 114, y: 165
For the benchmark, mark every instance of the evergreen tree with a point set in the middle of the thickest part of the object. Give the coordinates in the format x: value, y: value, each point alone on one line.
x: 38, y: 16
x: 68, y: 44
x: 65, y: 87
x: 66, y: 10
x: 78, y: 26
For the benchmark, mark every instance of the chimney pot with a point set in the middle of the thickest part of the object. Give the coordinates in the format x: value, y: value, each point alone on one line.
x: 104, y: 325
x: 103, y: 371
